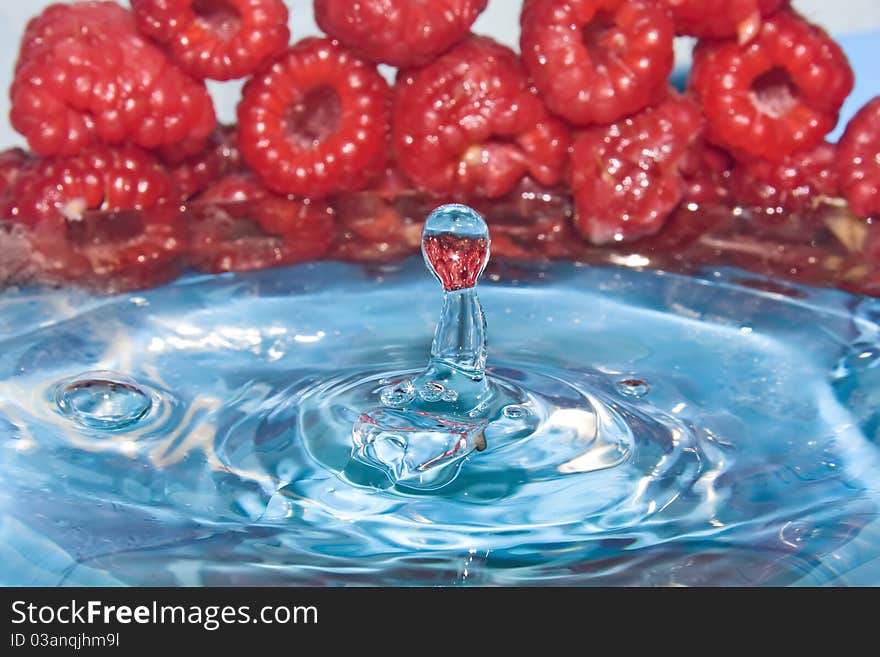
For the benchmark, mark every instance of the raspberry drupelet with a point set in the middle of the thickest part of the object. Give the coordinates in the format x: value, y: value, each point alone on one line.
x: 626, y: 177
x: 722, y: 18
x: 858, y: 161
x: 240, y: 225
x: 776, y: 96
x: 218, y: 157
x: 470, y: 123
x: 315, y: 121
x: 85, y: 75
x: 597, y: 61
x: 401, y: 33
x: 216, y: 39
x: 707, y: 172
x: 12, y: 162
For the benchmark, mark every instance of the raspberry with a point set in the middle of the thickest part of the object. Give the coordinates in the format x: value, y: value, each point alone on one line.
x: 216, y: 39
x: 721, y: 18
x: 12, y: 162
x: 101, y: 178
x: 315, y: 121
x: 218, y: 157
x: 778, y: 95
x: 626, y: 177
x: 85, y: 75
x: 398, y: 32
x: 858, y: 160
x: 788, y: 186
x: 706, y: 172
x: 597, y: 61
x: 239, y: 225
x: 470, y: 123
x: 381, y: 224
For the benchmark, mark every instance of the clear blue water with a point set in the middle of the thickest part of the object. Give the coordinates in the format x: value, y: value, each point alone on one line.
x: 686, y: 431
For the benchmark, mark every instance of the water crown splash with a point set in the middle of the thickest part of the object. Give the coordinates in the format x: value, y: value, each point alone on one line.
x: 428, y: 425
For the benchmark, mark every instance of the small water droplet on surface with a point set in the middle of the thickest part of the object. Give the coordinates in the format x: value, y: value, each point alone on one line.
x: 432, y: 391
x: 515, y: 412
x: 398, y: 394
x: 633, y: 387
x: 450, y: 396
x: 102, y: 400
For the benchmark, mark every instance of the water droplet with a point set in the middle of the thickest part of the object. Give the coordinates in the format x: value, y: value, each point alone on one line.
x: 102, y: 400
x: 455, y: 244
x: 398, y: 394
x: 432, y: 391
x: 633, y: 387
x: 515, y: 412
x: 450, y: 396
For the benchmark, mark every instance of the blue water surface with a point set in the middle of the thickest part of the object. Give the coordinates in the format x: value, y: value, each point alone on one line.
x: 711, y: 430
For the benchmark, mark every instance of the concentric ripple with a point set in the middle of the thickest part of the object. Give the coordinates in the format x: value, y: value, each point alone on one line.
x: 680, y: 431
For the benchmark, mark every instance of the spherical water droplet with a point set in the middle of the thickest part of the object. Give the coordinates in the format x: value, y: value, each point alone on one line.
x: 398, y: 394
x: 102, y: 400
x: 633, y: 387
x: 515, y: 412
x: 432, y: 391
x: 455, y: 244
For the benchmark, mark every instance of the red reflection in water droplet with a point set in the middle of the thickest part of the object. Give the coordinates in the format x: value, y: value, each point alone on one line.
x: 457, y: 261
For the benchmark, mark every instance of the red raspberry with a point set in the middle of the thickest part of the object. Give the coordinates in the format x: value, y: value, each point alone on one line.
x: 239, y: 225
x: 85, y: 75
x: 597, y: 61
x: 858, y: 160
x: 470, y: 123
x: 216, y: 39
x: 398, y: 32
x: 722, y: 18
x: 776, y: 96
x: 626, y: 177
x: 99, y: 179
x: 12, y: 162
x: 788, y: 186
x: 218, y: 157
x: 315, y: 121
x: 706, y: 172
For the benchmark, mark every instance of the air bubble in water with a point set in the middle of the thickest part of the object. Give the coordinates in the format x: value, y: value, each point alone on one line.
x: 633, y: 387
x: 433, y: 391
x: 102, y: 400
x: 515, y: 412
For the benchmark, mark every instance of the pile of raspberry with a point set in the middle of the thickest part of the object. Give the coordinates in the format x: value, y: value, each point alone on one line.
x: 129, y: 175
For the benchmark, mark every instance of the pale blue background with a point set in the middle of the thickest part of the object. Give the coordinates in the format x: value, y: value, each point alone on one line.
x: 501, y: 20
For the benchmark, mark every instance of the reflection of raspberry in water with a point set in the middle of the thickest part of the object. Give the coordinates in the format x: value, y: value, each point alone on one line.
x: 457, y: 261
x: 238, y: 225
